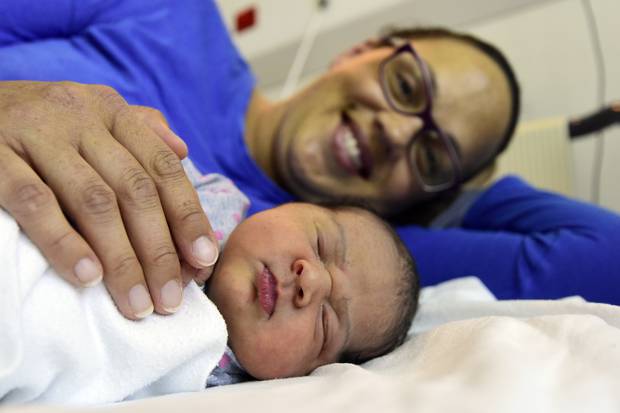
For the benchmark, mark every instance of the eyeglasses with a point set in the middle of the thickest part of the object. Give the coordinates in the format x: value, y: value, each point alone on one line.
x: 408, y: 88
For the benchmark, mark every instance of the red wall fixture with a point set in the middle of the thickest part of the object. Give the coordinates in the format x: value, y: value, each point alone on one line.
x: 245, y: 19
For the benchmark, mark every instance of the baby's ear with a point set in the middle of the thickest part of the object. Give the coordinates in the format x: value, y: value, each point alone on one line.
x: 357, y: 49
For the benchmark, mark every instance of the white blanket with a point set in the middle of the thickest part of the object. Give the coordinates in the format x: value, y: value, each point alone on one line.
x: 467, y: 353
x: 59, y: 344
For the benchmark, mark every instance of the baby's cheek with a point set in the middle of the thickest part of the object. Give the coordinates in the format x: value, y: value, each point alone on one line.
x: 274, y: 357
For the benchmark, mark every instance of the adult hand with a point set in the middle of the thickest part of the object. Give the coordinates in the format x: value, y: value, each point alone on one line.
x: 109, y: 166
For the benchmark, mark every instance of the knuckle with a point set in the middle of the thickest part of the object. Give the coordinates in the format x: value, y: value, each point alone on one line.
x: 126, y: 267
x: 165, y: 256
x: 109, y: 97
x: 146, y: 112
x: 22, y: 116
x: 190, y: 212
x: 66, y: 94
x: 167, y: 165
x: 138, y: 188
x: 30, y: 199
x: 61, y: 241
x: 99, y: 200
x: 16, y: 111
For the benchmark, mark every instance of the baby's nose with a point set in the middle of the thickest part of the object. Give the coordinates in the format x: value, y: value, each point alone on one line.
x: 310, y: 282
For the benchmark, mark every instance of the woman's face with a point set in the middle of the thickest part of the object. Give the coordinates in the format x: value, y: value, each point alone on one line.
x: 472, y: 104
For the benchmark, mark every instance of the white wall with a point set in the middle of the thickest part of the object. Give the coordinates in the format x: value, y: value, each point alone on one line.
x: 552, y: 49
x: 549, y: 43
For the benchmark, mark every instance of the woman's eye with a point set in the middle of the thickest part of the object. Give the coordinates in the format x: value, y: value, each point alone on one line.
x: 406, y: 92
x: 406, y: 89
x: 431, y: 160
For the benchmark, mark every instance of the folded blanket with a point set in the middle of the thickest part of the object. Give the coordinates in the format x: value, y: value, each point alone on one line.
x: 65, y: 345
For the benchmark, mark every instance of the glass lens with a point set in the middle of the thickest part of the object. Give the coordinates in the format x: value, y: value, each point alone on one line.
x: 430, y: 158
x: 403, y: 83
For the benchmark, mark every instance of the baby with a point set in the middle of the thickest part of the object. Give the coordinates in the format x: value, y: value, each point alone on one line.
x: 302, y: 285
x: 298, y: 286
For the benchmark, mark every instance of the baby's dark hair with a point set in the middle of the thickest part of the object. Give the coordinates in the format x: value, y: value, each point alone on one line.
x: 406, y: 296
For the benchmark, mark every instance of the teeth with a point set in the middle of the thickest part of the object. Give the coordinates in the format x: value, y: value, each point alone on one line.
x: 353, y: 150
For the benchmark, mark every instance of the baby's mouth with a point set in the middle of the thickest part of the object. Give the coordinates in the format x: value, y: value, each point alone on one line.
x: 267, y: 291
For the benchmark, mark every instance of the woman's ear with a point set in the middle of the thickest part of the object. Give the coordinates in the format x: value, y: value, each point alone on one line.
x: 368, y: 44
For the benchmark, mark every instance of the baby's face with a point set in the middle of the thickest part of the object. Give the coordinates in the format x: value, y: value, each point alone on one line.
x: 299, y: 284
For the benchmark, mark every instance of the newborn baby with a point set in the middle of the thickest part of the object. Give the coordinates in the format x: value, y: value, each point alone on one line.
x: 298, y: 286
x: 301, y: 286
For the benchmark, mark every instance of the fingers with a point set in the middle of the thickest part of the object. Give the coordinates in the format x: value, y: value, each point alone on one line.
x: 36, y: 210
x: 92, y: 205
x: 143, y: 218
x: 187, y: 221
x: 113, y: 197
x: 157, y: 122
x: 189, y: 273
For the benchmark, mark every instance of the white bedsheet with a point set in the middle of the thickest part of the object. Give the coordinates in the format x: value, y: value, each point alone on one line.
x: 467, y: 353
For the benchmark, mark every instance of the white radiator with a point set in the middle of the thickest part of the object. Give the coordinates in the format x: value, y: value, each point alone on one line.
x: 540, y: 153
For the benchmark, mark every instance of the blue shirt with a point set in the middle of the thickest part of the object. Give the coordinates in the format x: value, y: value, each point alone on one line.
x: 173, y: 55
x: 525, y: 243
x: 176, y: 56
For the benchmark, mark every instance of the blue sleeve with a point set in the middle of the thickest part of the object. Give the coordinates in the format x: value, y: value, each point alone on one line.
x: 24, y: 21
x: 87, y: 41
x: 526, y: 243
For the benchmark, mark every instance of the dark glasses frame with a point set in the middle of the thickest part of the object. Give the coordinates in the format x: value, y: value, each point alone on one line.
x: 429, y: 123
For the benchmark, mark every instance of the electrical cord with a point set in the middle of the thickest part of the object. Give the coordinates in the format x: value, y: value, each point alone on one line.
x: 599, y: 61
x: 303, y: 51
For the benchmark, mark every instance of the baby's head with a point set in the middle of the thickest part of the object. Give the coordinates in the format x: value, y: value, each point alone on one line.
x: 301, y: 286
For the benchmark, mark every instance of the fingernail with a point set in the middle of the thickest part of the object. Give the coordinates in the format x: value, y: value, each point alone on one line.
x: 171, y: 296
x: 140, y: 301
x: 88, y: 272
x: 204, y: 251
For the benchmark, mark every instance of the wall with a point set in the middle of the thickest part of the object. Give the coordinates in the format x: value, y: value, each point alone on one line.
x: 552, y: 47
x: 550, y: 43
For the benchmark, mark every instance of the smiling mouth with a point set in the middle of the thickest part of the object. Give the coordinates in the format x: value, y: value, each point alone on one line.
x: 351, y: 149
x: 267, y: 291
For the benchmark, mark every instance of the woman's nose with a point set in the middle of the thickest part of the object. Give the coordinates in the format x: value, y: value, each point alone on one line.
x: 311, y: 282
x: 397, y: 130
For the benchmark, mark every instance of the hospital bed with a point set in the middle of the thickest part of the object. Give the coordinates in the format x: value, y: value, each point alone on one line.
x: 466, y: 351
